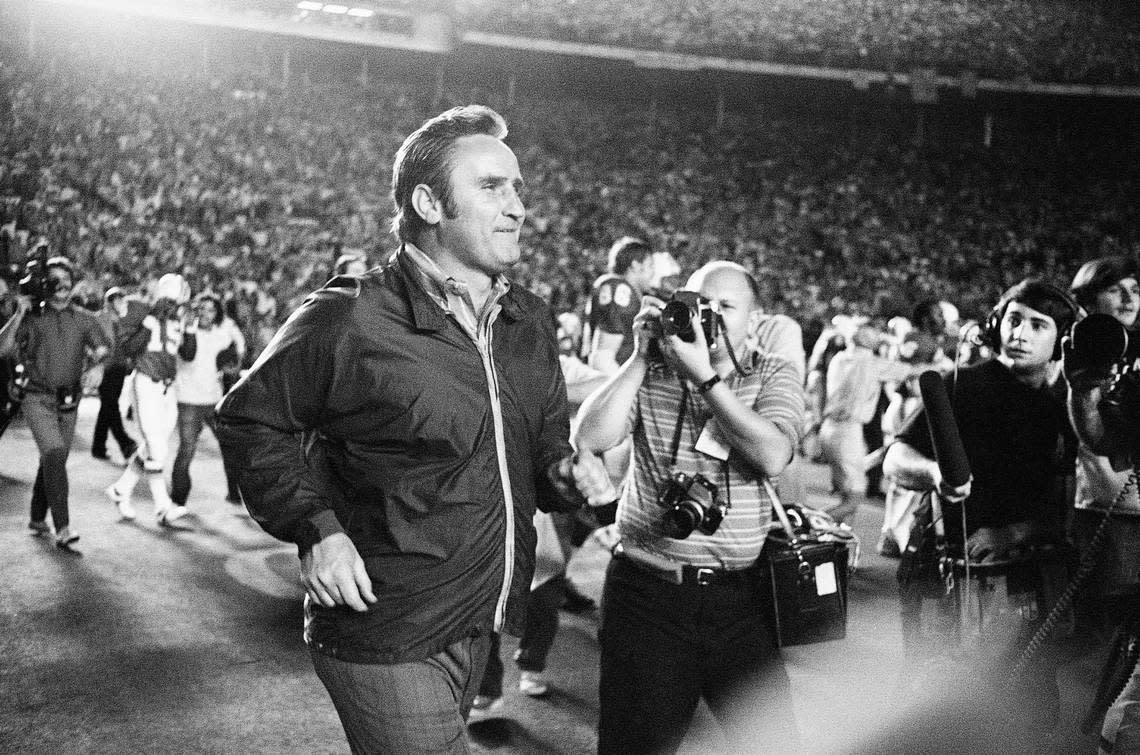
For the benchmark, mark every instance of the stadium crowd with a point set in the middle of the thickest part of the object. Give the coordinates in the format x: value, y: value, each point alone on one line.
x: 1056, y: 41
x: 255, y: 190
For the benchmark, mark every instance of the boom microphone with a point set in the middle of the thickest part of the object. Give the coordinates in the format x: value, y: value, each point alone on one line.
x: 948, y: 450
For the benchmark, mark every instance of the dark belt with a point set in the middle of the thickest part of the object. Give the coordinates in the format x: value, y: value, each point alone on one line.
x: 701, y: 576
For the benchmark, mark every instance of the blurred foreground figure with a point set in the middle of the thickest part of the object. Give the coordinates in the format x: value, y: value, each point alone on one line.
x: 399, y: 429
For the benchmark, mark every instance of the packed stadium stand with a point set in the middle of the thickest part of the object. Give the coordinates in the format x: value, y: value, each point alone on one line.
x: 246, y: 182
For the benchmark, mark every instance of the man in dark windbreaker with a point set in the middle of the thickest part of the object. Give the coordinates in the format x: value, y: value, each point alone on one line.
x: 400, y: 428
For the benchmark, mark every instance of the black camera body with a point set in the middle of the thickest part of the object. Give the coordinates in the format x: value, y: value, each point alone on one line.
x: 692, y: 503
x: 36, y: 284
x: 1101, y: 345
x: 684, y: 310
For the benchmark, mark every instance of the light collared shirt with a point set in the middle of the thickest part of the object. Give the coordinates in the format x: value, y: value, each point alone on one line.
x: 453, y: 295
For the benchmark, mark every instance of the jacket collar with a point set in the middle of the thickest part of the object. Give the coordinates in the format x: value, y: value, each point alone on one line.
x: 427, y: 311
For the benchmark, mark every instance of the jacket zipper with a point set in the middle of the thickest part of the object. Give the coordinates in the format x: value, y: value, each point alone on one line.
x: 485, y: 352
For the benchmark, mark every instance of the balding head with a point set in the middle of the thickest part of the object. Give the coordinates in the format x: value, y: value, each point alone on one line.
x: 725, y: 270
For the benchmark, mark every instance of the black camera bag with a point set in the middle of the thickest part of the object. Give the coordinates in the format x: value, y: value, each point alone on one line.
x: 807, y: 578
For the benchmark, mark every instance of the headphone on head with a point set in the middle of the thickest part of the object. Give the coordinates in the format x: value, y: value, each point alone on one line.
x: 991, y: 328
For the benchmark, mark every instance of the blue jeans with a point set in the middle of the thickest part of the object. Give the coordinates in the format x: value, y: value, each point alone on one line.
x: 416, y: 707
x: 665, y: 646
x: 53, y: 432
x: 191, y: 418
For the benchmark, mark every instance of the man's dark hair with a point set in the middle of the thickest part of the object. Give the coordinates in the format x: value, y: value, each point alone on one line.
x: 424, y: 158
x: 1097, y: 275
x: 219, y: 311
x: 1041, y: 296
x: 625, y: 251
x: 61, y: 263
x: 924, y: 311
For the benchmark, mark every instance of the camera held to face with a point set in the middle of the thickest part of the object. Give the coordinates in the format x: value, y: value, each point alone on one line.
x: 687, y: 308
x: 1100, y: 345
x: 36, y: 284
x: 692, y: 504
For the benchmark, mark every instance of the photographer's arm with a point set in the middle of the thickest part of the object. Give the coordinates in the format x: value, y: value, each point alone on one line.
x: 8, y: 332
x: 757, y: 438
x: 604, y: 418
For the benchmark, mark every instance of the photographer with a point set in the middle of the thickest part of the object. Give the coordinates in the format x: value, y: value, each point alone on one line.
x: 683, y: 613
x: 52, y: 338
x: 1100, y: 360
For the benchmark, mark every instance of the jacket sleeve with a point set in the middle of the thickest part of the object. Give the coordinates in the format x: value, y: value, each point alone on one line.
x: 554, y: 492
x: 269, y: 423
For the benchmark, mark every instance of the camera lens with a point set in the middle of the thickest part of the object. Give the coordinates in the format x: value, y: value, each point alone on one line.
x: 682, y: 519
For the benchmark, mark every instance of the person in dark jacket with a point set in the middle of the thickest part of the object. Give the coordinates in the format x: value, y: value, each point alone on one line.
x: 399, y: 429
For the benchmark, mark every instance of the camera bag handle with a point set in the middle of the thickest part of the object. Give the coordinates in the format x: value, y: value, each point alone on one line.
x: 794, y: 541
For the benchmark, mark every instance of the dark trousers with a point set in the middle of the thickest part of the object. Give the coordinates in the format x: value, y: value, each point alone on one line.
x: 109, y: 418
x: 53, y: 432
x: 665, y: 646
x: 415, y: 707
x: 191, y: 418
x: 537, y: 638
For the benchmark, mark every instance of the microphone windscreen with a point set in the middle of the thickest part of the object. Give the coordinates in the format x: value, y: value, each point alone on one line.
x: 948, y: 450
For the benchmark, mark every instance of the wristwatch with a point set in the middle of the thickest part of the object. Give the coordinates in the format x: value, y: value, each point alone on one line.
x: 706, y: 386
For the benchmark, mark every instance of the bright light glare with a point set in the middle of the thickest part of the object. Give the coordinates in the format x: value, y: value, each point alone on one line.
x: 362, y: 13
x: 335, y: 8
x: 309, y: 5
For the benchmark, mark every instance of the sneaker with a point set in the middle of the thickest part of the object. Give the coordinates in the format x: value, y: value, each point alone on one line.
x: 122, y: 502
x: 575, y: 601
x: 172, y: 514
x: 39, y: 529
x: 888, y: 547
x: 65, y: 537
x: 532, y: 684
x: 485, y: 707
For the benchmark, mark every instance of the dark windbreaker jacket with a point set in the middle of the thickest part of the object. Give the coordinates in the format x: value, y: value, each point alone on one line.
x: 373, y: 413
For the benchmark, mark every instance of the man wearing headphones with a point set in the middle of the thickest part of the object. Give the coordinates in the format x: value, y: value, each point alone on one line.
x: 1020, y: 447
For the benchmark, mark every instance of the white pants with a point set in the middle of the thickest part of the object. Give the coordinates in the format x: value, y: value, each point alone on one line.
x: 844, y: 448
x: 155, y: 410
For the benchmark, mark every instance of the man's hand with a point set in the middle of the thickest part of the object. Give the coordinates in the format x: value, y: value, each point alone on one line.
x: 334, y: 574
x: 689, y: 359
x: 987, y: 544
x: 945, y: 490
x: 590, y: 477
x: 647, y: 324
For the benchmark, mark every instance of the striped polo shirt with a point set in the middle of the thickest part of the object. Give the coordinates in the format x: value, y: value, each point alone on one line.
x: 773, y: 390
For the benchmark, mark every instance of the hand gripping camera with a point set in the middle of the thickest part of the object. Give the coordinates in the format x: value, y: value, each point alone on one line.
x: 1099, y: 349
x: 687, y: 308
x: 691, y: 503
x: 36, y: 284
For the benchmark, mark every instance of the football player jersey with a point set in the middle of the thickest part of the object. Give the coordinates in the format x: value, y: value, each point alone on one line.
x: 613, y: 305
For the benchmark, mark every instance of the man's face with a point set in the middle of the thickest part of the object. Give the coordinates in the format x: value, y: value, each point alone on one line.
x: 59, y: 280
x: 1027, y: 337
x: 481, y: 224
x: 642, y: 273
x: 729, y: 288
x: 1120, y: 300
